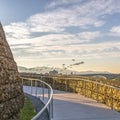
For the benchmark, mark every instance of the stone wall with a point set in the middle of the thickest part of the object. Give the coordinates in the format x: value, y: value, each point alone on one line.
x: 86, y: 86
x: 106, y: 94
x: 11, y: 94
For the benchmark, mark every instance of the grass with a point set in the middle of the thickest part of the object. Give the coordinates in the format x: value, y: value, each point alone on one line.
x: 28, y: 110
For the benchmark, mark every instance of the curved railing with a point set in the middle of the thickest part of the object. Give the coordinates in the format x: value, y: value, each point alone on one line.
x: 44, y: 88
x: 107, y: 94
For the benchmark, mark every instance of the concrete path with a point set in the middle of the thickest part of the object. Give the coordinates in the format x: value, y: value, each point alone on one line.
x: 70, y: 106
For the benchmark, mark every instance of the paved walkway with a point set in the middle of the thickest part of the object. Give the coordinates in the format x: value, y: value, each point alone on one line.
x: 70, y: 106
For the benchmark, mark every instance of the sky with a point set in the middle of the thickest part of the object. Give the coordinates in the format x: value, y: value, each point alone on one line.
x: 54, y: 32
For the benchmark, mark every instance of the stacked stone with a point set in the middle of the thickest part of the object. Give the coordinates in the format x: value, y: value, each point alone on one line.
x: 11, y: 94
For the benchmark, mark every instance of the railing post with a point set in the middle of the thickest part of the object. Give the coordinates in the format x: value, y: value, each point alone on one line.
x: 36, y: 88
x: 66, y: 86
x: 91, y: 89
x: 43, y: 90
x: 52, y: 106
x: 75, y: 84
x: 51, y: 109
x: 49, y: 106
x: 111, y: 98
x: 105, y: 93
x: 84, y: 88
x: 31, y: 86
x: 48, y: 93
x: 97, y: 92
x: 53, y: 84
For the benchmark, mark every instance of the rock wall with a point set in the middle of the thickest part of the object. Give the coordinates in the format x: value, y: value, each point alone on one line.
x: 11, y: 94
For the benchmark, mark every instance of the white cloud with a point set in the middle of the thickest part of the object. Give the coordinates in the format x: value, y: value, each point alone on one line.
x: 99, y: 23
x: 58, y: 19
x: 63, y: 46
x: 56, y: 3
x: 17, y: 30
x: 97, y: 8
x: 68, y: 39
x: 78, y: 14
x: 89, y: 35
x: 60, y: 43
x: 115, y: 31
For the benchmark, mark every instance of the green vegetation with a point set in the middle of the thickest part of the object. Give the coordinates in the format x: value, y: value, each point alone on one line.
x: 28, y: 110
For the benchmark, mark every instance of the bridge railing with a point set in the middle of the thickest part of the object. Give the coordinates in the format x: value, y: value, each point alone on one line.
x: 101, y: 92
x: 43, y: 91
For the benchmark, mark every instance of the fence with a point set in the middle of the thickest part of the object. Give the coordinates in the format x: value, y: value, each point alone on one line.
x: 101, y: 92
x: 39, y: 89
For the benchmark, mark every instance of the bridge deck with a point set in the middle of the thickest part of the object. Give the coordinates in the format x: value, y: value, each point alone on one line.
x: 70, y: 106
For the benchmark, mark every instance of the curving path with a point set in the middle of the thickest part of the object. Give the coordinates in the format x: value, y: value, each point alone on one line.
x: 71, y: 106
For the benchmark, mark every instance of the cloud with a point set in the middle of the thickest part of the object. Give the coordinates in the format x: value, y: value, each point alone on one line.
x: 98, y: 8
x: 51, y: 45
x: 99, y: 23
x: 18, y: 30
x: 115, y: 31
x: 89, y: 7
x: 57, y: 20
x: 79, y: 14
x: 65, y: 47
x: 100, y: 50
x: 58, y: 42
x: 66, y: 39
x: 58, y: 3
x: 57, y: 39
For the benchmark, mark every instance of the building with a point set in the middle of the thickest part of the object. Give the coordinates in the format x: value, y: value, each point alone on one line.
x: 53, y: 72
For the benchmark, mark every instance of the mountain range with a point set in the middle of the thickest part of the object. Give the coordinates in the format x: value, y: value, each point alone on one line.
x: 45, y: 69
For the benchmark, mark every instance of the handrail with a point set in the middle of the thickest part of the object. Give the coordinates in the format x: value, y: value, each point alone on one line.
x: 83, y: 79
x: 101, y: 84
x: 101, y: 92
x: 49, y: 102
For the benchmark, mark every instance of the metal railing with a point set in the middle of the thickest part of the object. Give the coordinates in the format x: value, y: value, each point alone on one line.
x: 41, y: 90
x: 107, y: 94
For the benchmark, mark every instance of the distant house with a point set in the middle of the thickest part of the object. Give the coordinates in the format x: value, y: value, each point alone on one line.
x: 53, y: 72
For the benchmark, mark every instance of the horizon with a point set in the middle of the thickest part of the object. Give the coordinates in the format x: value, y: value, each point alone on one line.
x: 81, y: 34
x: 98, y: 72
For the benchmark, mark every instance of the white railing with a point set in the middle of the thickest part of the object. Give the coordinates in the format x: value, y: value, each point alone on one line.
x: 45, y: 88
